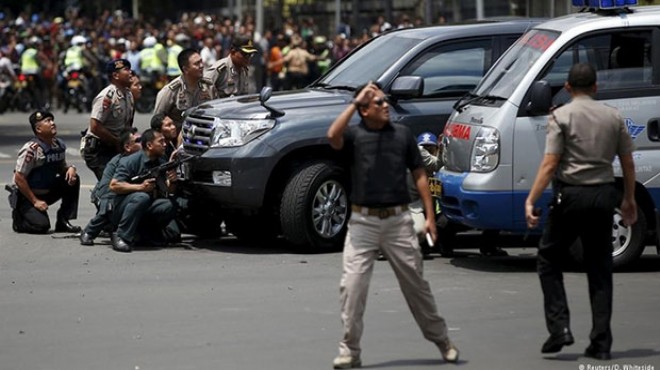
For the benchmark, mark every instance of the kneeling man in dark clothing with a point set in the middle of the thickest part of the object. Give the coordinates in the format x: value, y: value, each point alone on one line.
x: 42, y: 177
x: 147, y: 200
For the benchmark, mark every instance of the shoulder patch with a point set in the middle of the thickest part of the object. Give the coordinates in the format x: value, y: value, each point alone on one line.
x: 175, y: 85
x: 33, y: 145
x: 221, y: 67
x: 110, y: 94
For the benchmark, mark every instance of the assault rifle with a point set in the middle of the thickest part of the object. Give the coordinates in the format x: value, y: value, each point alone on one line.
x: 153, y: 173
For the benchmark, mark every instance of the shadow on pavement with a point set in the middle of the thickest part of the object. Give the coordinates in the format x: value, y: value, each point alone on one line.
x: 410, y: 363
x: 636, y: 353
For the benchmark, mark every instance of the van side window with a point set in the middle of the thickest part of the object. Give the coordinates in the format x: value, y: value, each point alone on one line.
x: 622, y: 61
x: 452, y: 70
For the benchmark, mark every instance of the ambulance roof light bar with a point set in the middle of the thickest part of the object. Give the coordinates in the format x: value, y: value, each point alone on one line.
x: 604, y: 4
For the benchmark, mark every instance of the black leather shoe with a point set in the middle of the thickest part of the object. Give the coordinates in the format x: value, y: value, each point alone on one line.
x: 555, y: 343
x: 598, y: 355
x: 86, y: 239
x: 64, y: 226
x: 121, y: 246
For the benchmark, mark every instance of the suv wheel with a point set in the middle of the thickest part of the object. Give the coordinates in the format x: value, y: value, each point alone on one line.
x: 314, y: 210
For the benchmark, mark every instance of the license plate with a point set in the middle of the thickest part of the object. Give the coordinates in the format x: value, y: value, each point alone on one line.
x: 435, y: 186
x: 73, y: 83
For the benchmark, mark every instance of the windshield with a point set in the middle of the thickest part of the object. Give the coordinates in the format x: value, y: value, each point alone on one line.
x: 510, y: 69
x: 369, y: 62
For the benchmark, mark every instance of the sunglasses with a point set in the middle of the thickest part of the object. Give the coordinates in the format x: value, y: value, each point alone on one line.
x: 381, y: 100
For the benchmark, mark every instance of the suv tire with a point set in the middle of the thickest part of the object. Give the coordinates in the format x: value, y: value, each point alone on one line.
x: 314, y: 210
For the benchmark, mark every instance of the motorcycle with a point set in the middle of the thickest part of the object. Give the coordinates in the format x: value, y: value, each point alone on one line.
x: 23, y: 99
x: 151, y: 85
x: 74, y: 93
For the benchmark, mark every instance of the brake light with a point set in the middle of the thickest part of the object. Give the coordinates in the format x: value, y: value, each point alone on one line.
x: 21, y: 77
x: 74, y: 75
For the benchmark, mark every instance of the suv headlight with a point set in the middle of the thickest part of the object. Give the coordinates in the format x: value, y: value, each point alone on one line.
x: 231, y: 132
x: 486, y: 150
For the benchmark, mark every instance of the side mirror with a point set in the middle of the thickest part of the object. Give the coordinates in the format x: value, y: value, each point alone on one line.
x: 265, y: 94
x: 540, y: 98
x: 653, y: 129
x: 407, y: 87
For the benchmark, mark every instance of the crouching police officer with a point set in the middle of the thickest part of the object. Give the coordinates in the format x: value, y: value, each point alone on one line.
x: 143, y: 205
x: 42, y: 177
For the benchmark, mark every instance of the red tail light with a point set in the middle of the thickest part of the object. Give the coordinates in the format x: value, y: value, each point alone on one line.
x: 21, y: 77
x: 74, y: 75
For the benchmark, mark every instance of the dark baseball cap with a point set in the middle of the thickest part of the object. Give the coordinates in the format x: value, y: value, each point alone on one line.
x: 243, y: 44
x: 39, y: 115
x: 117, y: 65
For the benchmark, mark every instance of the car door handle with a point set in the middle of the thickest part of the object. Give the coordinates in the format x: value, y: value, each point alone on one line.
x: 653, y: 129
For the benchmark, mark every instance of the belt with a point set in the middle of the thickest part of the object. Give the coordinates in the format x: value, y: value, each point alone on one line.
x: 381, y: 213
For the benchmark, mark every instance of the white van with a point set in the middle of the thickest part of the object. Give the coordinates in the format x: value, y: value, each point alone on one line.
x: 494, y: 140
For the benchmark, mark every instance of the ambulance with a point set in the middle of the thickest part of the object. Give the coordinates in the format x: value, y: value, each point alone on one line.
x: 494, y: 140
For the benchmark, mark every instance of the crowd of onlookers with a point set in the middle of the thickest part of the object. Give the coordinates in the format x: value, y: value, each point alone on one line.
x: 116, y: 35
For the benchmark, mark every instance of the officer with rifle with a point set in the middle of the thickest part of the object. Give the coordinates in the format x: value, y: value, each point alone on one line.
x: 102, y: 197
x: 142, y: 194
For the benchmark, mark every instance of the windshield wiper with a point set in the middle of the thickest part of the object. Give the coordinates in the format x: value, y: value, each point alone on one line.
x: 462, y: 103
x: 465, y: 100
x: 335, y: 87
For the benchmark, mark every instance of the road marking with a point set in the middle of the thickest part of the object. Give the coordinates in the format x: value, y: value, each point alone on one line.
x: 4, y: 155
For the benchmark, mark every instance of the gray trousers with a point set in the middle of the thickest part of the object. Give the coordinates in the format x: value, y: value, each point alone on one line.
x: 131, y: 210
x: 396, y: 238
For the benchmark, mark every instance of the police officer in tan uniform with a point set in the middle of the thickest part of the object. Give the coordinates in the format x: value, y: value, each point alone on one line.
x: 112, y: 112
x: 583, y: 138
x: 230, y: 75
x: 41, y: 178
x: 186, y: 91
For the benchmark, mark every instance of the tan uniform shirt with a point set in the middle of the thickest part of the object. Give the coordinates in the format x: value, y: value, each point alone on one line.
x: 176, y: 97
x: 114, y: 109
x: 227, y: 79
x: 587, y: 135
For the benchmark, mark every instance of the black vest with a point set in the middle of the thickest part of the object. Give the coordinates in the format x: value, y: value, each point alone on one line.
x: 43, y: 177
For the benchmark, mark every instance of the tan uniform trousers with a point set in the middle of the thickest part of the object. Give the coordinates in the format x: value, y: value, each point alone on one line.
x: 396, y: 238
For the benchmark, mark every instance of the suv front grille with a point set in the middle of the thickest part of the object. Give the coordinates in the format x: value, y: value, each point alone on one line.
x: 197, y: 133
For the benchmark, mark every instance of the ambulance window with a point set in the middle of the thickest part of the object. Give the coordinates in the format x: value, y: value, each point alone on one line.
x: 622, y: 61
x: 452, y: 70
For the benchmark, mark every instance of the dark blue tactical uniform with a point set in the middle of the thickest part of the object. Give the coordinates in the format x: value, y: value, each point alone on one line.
x: 130, y: 209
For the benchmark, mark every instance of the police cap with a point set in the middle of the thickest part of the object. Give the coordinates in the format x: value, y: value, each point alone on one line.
x: 243, y: 44
x: 39, y: 116
x: 117, y: 65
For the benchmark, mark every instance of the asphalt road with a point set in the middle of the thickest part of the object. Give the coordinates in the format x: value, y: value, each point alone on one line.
x: 218, y: 304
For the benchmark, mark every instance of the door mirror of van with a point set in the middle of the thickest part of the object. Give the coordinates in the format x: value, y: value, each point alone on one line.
x: 407, y: 87
x: 653, y: 129
x: 540, y: 98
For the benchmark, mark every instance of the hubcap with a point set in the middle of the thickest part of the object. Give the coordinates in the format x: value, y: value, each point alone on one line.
x: 621, y: 234
x: 329, y: 209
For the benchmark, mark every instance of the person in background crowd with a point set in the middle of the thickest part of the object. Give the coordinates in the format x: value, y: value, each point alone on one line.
x: 112, y: 113
x: 173, y: 70
x: 186, y: 91
x: 229, y: 75
x: 583, y: 138
x: 102, y: 197
x: 297, y: 68
x: 209, y: 54
x: 42, y: 177
x: 381, y: 221
x: 275, y: 65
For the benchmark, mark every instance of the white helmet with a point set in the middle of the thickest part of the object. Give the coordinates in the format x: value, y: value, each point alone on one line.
x: 78, y: 40
x: 149, y: 42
